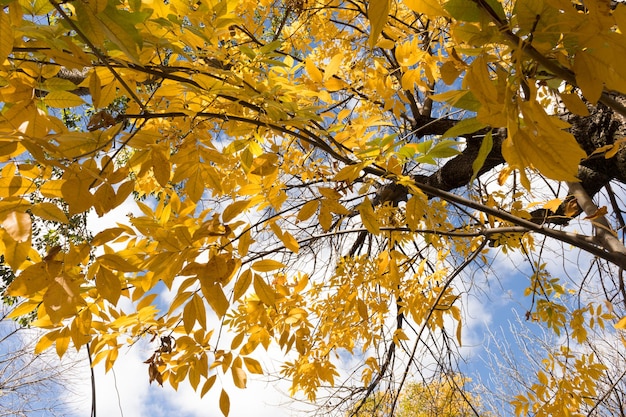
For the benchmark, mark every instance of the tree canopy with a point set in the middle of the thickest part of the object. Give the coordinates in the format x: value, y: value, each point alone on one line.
x: 320, y: 177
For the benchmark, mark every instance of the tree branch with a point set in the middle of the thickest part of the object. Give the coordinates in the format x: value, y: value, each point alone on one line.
x: 604, y: 233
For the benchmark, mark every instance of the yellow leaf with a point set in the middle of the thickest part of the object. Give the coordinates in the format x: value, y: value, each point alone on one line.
x: 449, y: 72
x: 62, y: 341
x: 110, y: 360
x: 253, y: 366
x: 81, y: 328
x: 431, y: 8
x: 200, y: 310
x: 221, y: 268
x: 264, y: 165
x: 602, y: 211
x: 189, y: 317
x: 62, y: 299
x: 49, y: 211
x: 123, y: 191
x: 76, y: 194
x: 377, y: 13
x: 244, y: 243
x: 267, y: 265
x: 301, y: 284
x: 572, y: 209
x: 308, y: 210
x: 362, y: 309
x: 63, y: 99
x: 16, y: 253
x: 574, y: 104
x: 333, y: 66
x: 22, y: 309
x: 214, y: 295
x: 240, y: 378
x: 485, y: 149
x: 234, y: 209
x: 15, y: 185
x: 213, y: 179
x: 296, y: 315
x: 553, y: 204
x: 6, y: 34
x: 33, y: 279
x: 621, y: 324
x: 95, y: 88
x: 264, y: 291
x: 52, y: 189
x: 325, y: 217
x: 415, y: 208
x: 313, y: 71
x: 207, y: 385
x: 108, y: 285
x: 587, y: 77
x: 614, y: 148
x: 543, y: 145
x: 46, y: 341
x: 161, y: 166
x: 36, y: 7
x: 18, y: 226
x: 368, y: 216
x: 349, y: 173
x: 224, y: 403
x: 543, y: 379
x: 104, y: 199
x: 236, y: 342
x: 116, y: 262
x: 194, y: 186
x: 289, y: 241
x: 106, y: 235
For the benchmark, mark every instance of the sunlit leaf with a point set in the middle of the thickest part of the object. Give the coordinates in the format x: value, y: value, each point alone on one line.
x: 224, y: 403
x: 63, y: 99
x: 267, y: 265
x: 49, y: 211
x: 264, y: 291
x: 18, y: 226
x: 377, y: 13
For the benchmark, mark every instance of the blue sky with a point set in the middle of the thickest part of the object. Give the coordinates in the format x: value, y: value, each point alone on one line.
x: 494, y: 306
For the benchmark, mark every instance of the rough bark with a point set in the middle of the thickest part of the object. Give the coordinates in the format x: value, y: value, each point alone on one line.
x: 602, y: 127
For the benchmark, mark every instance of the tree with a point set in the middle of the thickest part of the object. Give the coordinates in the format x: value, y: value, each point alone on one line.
x: 443, y: 397
x: 324, y: 177
x: 30, y: 385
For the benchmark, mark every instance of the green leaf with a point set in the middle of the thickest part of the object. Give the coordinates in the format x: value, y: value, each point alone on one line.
x: 444, y: 149
x: 485, y: 148
x: 464, y: 127
x: 467, y: 11
x: 119, y: 25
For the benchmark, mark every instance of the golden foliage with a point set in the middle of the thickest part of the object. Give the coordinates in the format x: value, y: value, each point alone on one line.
x: 246, y: 132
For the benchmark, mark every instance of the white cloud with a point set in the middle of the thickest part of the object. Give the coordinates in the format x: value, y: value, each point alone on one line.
x: 126, y: 392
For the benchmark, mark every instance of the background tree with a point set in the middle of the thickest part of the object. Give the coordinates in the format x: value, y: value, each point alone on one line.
x: 328, y: 178
x: 441, y: 397
x: 31, y: 384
